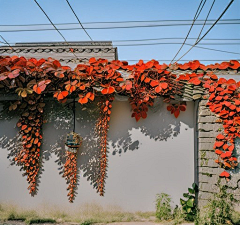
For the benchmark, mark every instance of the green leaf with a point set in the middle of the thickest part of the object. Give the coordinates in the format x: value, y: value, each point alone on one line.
x: 186, y: 195
x: 190, y: 202
x: 182, y: 202
x: 191, y: 191
x: 189, y: 210
x: 195, y: 187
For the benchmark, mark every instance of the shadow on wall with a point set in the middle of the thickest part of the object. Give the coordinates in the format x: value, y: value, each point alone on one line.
x: 158, y: 126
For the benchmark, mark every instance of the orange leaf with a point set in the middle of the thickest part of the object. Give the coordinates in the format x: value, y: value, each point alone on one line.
x: 108, y: 90
x: 218, y: 144
x: 176, y: 113
x: 128, y: 85
x: 92, y: 60
x: 83, y: 100
x: 183, y: 107
x: 62, y: 95
x: 224, y: 174
x: 36, y: 141
x: 92, y: 96
x: 218, y: 152
x: 24, y: 127
x: 220, y: 137
x: 195, y: 81
x: 147, y: 80
x: 154, y: 83
x: 164, y: 85
x: 158, y: 88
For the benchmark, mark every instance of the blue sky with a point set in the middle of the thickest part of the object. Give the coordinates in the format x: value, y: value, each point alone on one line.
x: 27, y: 12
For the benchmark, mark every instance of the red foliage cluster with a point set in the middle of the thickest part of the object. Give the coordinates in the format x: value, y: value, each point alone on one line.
x: 102, y: 126
x: 146, y: 82
x: 176, y: 108
x: 70, y: 173
x: 31, y: 78
x: 31, y: 122
x: 194, y: 65
x: 224, y: 102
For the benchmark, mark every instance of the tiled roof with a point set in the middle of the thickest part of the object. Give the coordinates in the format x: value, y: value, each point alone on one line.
x: 61, y: 51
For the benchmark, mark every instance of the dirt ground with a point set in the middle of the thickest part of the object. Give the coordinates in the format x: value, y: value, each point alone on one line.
x: 117, y: 223
x: 143, y: 223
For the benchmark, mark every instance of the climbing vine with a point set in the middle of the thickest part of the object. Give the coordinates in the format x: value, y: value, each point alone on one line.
x: 33, y: 79
x: 31, y: 122
x: 102, y: 126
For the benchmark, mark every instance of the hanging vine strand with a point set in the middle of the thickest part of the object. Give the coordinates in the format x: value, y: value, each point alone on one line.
x: 102, y: 126
x: 31, y: 122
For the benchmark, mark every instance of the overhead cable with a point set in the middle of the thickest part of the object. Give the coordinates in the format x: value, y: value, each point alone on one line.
x: 78, y: 20
x: 112, y: 22
x: 230, y: 3
x: 194, y: 19
x: 54, y: 26
x: 115, y: 27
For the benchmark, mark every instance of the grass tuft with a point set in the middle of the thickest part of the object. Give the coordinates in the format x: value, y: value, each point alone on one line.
x: 84, y: 215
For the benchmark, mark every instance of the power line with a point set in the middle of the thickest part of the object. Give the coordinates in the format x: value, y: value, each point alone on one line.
x: 212, y: 49
x: 194, y: 19
x: 171, y: 38
x: 117, y: 27
x: 206, y: 20
x: 3, y: 42
x: 54, y: 26
x: 155, y: 39
x: 202, y: 26
x: 78, y: 20
x: 173, y: 43
x: 6, y: 42
x: 163, y: 43
x: 230, y: 3
x: 113, y: 22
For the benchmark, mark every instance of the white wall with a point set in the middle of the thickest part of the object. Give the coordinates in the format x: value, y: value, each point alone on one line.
x: 152, y: 156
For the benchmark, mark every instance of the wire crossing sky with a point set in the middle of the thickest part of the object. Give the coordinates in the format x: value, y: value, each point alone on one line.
x: 143, y: 16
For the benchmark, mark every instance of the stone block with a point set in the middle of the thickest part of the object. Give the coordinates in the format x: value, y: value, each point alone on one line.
x: 207, y: 155
x: 214, y: 171
x: 207, y: 119
x: 204, y: 178
x: 208, y: 187
x: 203, y: 102
x: 205, y: 195
x: 206, y: 140
x: 210, y: 127
x: 205, y: 112
x: 205, y: 146
x: 208, y: 134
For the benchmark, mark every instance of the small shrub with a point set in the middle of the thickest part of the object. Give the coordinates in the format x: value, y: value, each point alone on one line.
x: 178, y: 216
x: 189, y: 206
x: 163, y: 207
x: 220, y: 210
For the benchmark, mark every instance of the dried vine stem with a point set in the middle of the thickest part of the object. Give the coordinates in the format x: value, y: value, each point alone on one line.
x: 102, y: 127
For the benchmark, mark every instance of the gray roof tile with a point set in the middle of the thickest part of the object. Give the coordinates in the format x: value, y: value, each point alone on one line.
x: 61, y: 51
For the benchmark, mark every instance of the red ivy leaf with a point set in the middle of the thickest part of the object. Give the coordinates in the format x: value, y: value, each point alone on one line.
x: 224, y: 174
x: 176, y: 113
